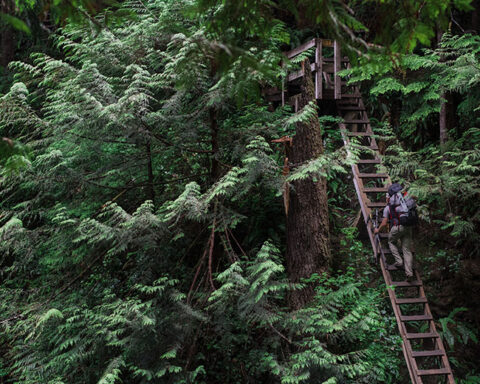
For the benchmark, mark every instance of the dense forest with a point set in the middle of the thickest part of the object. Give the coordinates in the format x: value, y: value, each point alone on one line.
x: 162, y: 220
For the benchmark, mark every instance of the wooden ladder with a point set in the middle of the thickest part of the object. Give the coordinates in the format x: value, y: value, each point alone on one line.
x: 422, y: 346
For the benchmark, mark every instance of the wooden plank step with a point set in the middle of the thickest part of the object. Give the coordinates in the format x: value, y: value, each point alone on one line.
x: 376, y: 204
x: 416, y: 318
x: 351, y: 95
x: 357, y: 121
x: 373, y: 175
x: 349, y: 133
x: 375, y: 189
x: 392, y: 267
x: 436, y: 352
x: 431, y: 372
x: 414, y: 283
x: 427, y: 335
x: 411, y: 300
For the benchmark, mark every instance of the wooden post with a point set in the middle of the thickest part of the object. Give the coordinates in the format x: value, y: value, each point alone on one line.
x: 337, y: 65
x: 319, y: 70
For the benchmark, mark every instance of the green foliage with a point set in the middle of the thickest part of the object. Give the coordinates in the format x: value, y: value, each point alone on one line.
x: 141, y: 224
x: 453, y: 330
x: 444, y: 182
x: 332, y: 337
x: 21, y: 19
x: 471, y: 379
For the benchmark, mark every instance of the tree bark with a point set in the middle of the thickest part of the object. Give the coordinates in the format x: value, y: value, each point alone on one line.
x: 308, y: 239
x: 7, y: 35
x: 215, y: 167
x: 474, y: 20
x: 150, y: 187
x: 442, y: 119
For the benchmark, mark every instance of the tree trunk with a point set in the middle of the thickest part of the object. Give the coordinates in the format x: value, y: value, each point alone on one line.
x: 442, y: 119
x: 474, y: 20
x: 215, y: 167
x: 150, y: 187
x: 7, y: 35
x: 307, y: 220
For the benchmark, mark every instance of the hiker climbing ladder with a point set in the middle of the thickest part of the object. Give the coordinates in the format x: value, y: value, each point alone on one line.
x: 422, y: 346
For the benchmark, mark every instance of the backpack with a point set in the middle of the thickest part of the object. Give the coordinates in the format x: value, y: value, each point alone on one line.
x: 394, y: 189
x: 411, y: 217
x: 403, y: 206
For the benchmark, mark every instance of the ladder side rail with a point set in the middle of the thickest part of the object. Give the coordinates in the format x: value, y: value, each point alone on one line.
x: 376, y: 244
x: 319, y: 70
x: 337, y: 66
x: 356, y: 181
x: 373, y: 141
x: 438, y: 341
x: 391, y: 294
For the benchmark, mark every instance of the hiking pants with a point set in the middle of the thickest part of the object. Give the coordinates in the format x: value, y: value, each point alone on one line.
x: 403, y: 235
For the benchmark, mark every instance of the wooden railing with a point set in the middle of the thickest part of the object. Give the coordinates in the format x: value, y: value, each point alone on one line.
x: 324, y: 69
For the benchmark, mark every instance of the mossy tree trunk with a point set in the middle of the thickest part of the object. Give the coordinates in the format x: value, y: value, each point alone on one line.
x: 308, y: 237
x: 7, y: 35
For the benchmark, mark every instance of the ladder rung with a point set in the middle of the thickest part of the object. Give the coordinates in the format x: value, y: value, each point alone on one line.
x: 375, y: 189
x: 376, y: 205
x: 436, y: 352
x: 416, y: 318
x: 373, y: 175
x: 411, y: 300
x: 371, y: 161
x: 393, y: 267
x: 406, y: 283
x: 429, y: 372
x: 428, y: 335
x: 351, y: 95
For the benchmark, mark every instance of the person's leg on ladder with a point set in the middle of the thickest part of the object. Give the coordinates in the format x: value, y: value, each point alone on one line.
x: 407, y: 250
x: 393, y: 237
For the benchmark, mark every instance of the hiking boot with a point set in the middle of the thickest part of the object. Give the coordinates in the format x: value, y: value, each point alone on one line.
x: 410, y: 278
x: 397, y: 265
